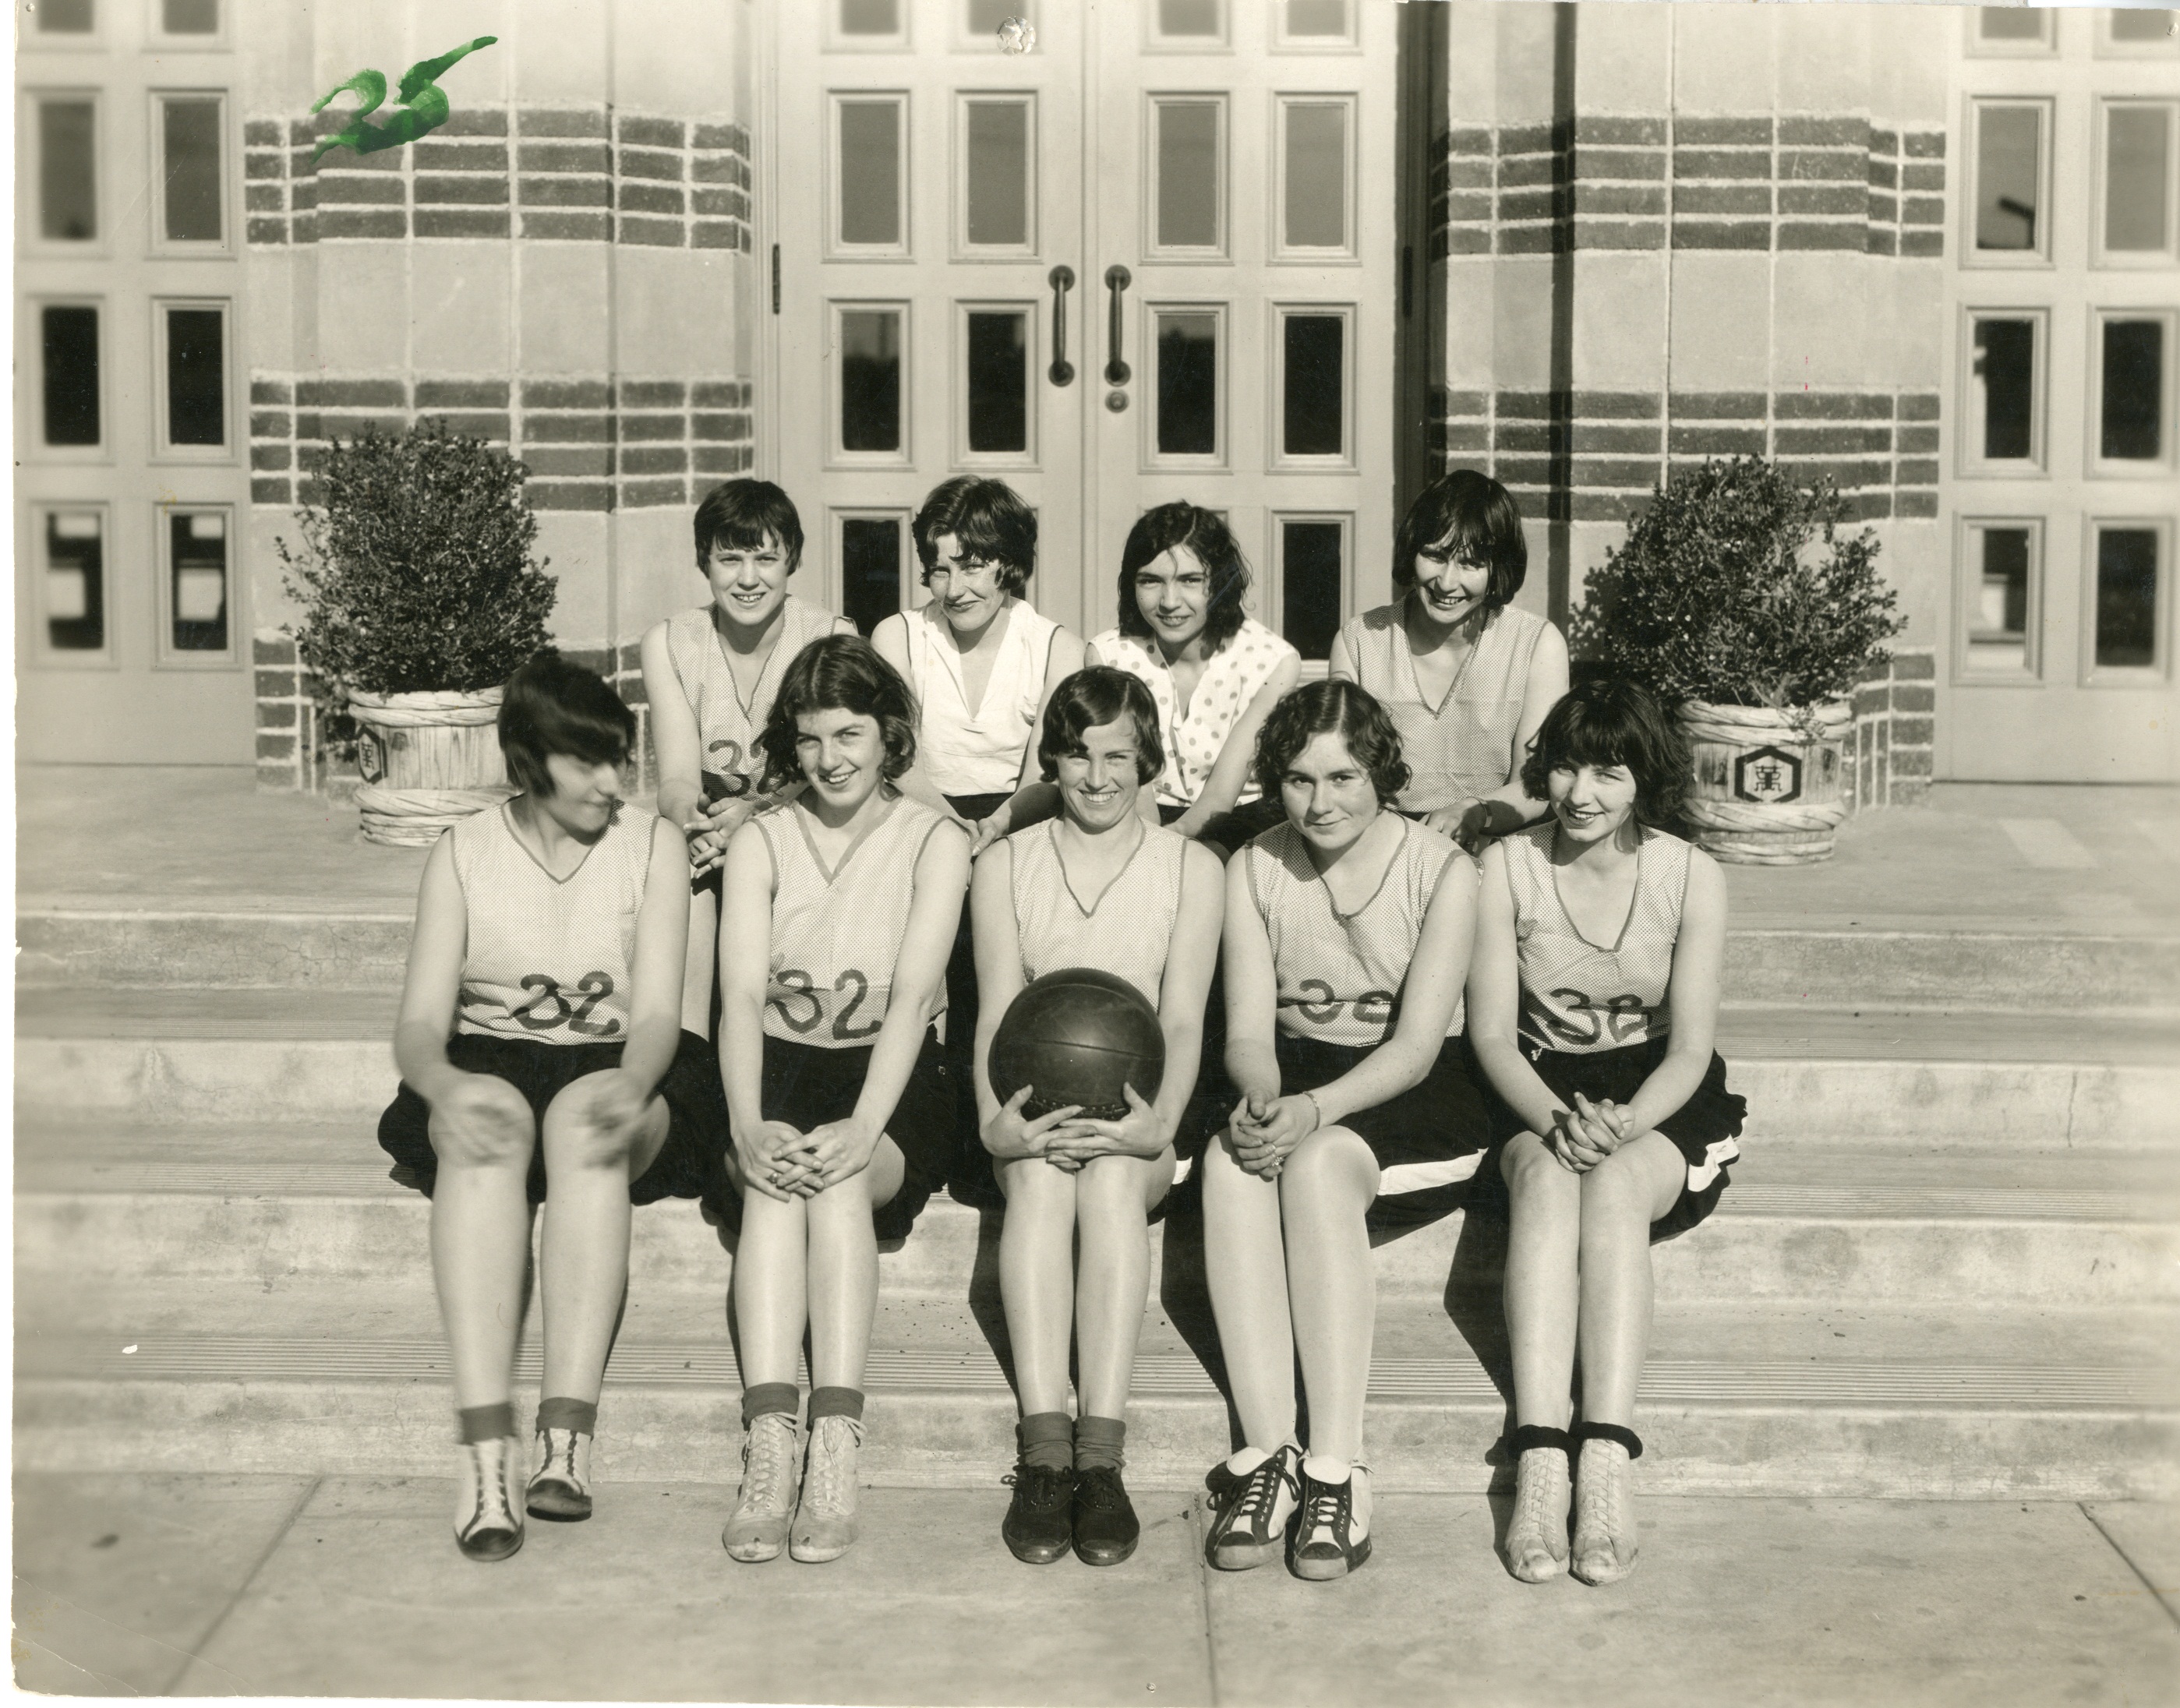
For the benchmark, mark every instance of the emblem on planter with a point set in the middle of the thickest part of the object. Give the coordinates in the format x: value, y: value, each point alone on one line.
x: 370, y: 757
x: 1767, y: 774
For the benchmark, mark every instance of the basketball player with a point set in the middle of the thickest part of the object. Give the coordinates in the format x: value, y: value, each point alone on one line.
x: 1592, y: 1004
x: 834, y: 1083
x: 1465, y: 675
x: 710, y: 674
x: 538, y: 1045
x: 1347, y: 939
x: 1098, y: 887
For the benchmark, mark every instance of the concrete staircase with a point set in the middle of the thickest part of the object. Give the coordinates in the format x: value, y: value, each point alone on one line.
x: 1949, y: 1264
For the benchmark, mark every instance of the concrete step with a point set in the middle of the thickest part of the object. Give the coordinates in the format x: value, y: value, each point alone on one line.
x: 301, y: 943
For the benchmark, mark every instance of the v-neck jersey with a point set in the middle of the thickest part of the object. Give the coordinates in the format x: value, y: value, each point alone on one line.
x: 728, y: 726
x: 1127, y: 928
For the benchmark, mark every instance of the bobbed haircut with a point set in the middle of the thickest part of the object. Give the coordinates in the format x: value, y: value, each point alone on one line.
x: 989, y: 522
x: 1478, y: 517
x: 839, y: 672
x: 1211, y: 543
x: 1331, y: 708
x: 1611, y: 720
x: 1099, y: 695
x: 737, y: 515
x: 552, y: 705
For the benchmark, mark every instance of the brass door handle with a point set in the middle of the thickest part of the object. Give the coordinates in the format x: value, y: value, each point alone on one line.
x: 1062, y: 371
x: 1117, y: 371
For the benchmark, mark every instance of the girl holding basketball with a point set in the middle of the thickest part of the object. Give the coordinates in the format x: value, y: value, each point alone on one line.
x: 1592, y: 1004
x: 835, y: 1088
x: 1347, y: 941
x: 538, y: 1045
x: 1100, y: 887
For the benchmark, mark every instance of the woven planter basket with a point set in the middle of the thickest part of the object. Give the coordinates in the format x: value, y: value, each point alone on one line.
x: 1767, y: 789
x: 427, y: 760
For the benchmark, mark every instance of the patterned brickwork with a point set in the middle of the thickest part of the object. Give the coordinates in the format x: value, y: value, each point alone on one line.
x: 1602, y: 183
x: 579, y: 174
x: 1889, y: 759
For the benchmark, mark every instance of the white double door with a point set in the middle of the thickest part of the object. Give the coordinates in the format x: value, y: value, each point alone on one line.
x: 1151, y: 258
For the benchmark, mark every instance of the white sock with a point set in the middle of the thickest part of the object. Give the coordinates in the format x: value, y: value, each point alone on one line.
x: 1247, y: 1460
x: 1324, y: 1470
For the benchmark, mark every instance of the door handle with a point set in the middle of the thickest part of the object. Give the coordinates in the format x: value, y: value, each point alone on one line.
x: 1062, y: 371
x: 1116, y: 370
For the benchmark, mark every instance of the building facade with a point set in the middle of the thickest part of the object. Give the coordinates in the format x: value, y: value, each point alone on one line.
x: 1286, y: 258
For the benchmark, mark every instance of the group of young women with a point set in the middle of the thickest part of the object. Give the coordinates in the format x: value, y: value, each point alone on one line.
x: 1462, y: 962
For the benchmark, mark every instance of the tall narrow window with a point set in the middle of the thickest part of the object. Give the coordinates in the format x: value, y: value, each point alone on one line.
x: 1188, y: 384
x: 2138, y: 211
x: 197, y: 376
x: 66, y: 17
x: 196, y: 592
x: 76, y: 581
x: 2003, y: 601
x: 868, y: 174
x: 2127, y: 590
x: 2005, y: 391
x: 1190, y: 202
x: 68, y: 170
x: 870, y: 380
x: 996, y: 380
x: 996, y: 173
x: 2009, y: 181
x: 2131, y: 391
x: 870, y: 568
x: 1313, y: 167
x: 1313, y: 385
x: 189, y: 171
x: 1312, y: 576
x: 68, y: 341
x: 189, y: 17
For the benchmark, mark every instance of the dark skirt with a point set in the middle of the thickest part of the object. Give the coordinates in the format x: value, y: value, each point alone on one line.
x: 695, y: 1132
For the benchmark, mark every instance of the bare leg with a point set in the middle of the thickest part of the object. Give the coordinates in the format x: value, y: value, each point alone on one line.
x: 770, y: 1289
x: 697, y: 969
x: 1246, y: 1255
x: 1543, y: 1249
x: 1620, y: 1198
x: 1114, y: 1195
x: 844, y: 1268
x: 481, y: 1249
x: 1325, y: 1191
x: 1036, y: 1278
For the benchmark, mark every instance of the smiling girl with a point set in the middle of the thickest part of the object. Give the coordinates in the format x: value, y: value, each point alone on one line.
x: 835, y: 1088
x: 1592, y: 1004
x: 1465, y: 675
x: 1346, y: 942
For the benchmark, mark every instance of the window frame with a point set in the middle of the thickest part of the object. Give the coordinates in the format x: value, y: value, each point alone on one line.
x: 968, y: 40
x: 2031, y: 675
x: 1155, y: 42
x: 1284, y: 42
x: 1218, y: 253
x: 963, y: 249
x: 1970, y: 256
x: 39, y: 652
x: 29, y: 222
x: 1972, y: 464
x: 837, y: 517
x: 2159, y: 672
x: 1032, y: 387
x: 2100, y: 150
x: 1276, y: 555
x: 2041, y: 46
x: 165, y: 655
x: 839, y: 40
x: 32, y: 344
x: 2094, y: 461
x: 836, y: 248
x: 168, y: 41
x: 155, y: 144
x: 1280, y: 251
x: 1219, y: 460
x: 31, y: 36
x: 163, y: 449
x: 837, y: 456
x: 1277, y: 459
x: 2108, y: 46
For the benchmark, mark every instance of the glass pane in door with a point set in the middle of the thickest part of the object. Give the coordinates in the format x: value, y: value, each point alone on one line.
x: 870, y: 570
x: 197, y: 376
x: 1316, y: 17
x: 67, y: 176
x: 1188, y: 384
x: 2005, y: 375
x: 2131, y: 394
x: 2138, y: 155
x: 2140, y: 23
x: 869, y: 197
x: 1314, y: 382
x: 997, y: 382
x: 870, y: 17
x: 76, y: 581
x: 2009, y: 176
x: 2127, y: 598
x: 70, y: 351
x: 189, y: 163
x: 1315, y: 213
x: 2003, y: 602
x: 870, y: 380
x: 997, y: 142
x: 2010, y: 23
x: 1188, y: 200
x: 1188, y: 17
x: 1311, y: 580
x: 197, y: 599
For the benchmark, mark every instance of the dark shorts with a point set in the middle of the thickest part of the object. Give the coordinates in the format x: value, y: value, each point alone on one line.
x: 1430, y: 1141
x: 806, y: 1086
x: 696, y: 1133
x: 1711, y: 1117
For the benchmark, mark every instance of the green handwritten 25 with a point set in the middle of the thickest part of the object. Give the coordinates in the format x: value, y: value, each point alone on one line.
x: 423, y: 105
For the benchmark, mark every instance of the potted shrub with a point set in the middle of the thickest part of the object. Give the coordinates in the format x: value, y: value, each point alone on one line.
x: 419, y: 599
x: 1738, y: 599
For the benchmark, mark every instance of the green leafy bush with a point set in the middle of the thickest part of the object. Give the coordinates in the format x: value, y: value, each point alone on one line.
x: 1737, y: 586
x: 415, y: 574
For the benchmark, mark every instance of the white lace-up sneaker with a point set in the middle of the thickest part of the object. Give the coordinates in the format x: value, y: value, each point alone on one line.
x: 1537, y: 1534
x: 1604, y: 1540
x: 488, y: 1508
x: 560, y: 1486
x: 770, y: 1461
x: 825, y: 1522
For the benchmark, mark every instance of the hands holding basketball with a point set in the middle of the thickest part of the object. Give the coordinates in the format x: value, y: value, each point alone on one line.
x: 1266, y: 1128
x: 1010, y: 1135
x: 1139, y: 1132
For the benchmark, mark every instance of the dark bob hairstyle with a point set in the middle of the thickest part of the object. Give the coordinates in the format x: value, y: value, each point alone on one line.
x: 988, y: 522
x: 1612, y: 721
x: 1331, y: 708
x: 1475, y: 517
x: 736, y: 515
x: 839, y: 672
x: 1099, y: 694
x: 1158, y: 532
x: 552, y: 706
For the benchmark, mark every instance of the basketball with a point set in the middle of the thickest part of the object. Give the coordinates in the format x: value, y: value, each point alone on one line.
x: 1077, y: 1036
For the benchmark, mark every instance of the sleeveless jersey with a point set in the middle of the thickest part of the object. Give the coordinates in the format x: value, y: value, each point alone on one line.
x: 1231, y: 677
x: 727, y: 726
x: 1464, y: 748
x: 549, y: 958
x: 1576, y: 996
x: 836, y: 936
x: 1125, y: 932
x: 1341, y: 974
x: 980, y: 752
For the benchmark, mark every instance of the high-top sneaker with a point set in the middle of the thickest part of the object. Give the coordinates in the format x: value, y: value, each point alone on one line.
x: 1537, y: 1533
x: 1604, y: 1540
x: 488, y: 1506
x: 825, y: 1522
x: 560, y: 1486
x: 770, y: 1461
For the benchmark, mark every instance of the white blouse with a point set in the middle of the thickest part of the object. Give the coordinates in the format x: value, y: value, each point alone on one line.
x: 1231, y: 678
x: 979, y: 752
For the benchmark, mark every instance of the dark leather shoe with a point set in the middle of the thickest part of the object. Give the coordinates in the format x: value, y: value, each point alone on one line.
x: 1039, y: 1523
x: 1105, y: 1527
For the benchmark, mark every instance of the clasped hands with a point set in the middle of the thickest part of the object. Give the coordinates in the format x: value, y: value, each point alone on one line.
x: 1585, y: 1136
x: 1266, y: 1128
x: 709, y: 830
x: 1067, y: 1139
x: 782, y: 1161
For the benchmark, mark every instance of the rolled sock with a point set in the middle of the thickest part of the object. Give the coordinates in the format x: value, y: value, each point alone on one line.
x: 769, y: 1397
x: 555, y: 1411
x: 1097, y: 1442
x: 1247, y: 1460
x: 486, y: 1423
x: 1047, y: 1438
x: 836, y: 1402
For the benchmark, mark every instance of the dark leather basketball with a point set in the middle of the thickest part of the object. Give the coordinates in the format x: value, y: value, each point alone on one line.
x: 1076, y: 1036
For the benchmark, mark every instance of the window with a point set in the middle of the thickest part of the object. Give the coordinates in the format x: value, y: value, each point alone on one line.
x: 1311, y: 575
x: 2139, y: 32
x: 189, y: 184
x: 67, y: 168
x: 71, y: 593
x: 192, y: 346
x: 872, y: 347
x: 2135, y: 215
x: 2131, y: 402
x: 1186, y: 25
x: 2003, y: 424
x: 870, y: 176
x: 873, y: 550
x: 868, y: 25
x: 996, y: 389
x: 1188, y: 204
x: 195, y: 625
x: 1190, y: 415
x: 2002, y: 587
x: 2010, y: 29
x: 189, y: 17
x: 1310, y: 378
x: 1315, y: 23
x: 66, y: 17
x: 69, y: 359
x: 995, y: 187
x: 1315, y: 158
x: 2006, y: 213
x: 980, y: 21
x: 2129, y: 600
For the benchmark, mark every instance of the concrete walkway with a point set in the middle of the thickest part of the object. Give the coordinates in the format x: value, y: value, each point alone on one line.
x: 221, y: 1585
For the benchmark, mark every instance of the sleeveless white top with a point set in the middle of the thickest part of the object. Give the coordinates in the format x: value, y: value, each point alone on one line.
x: 1231, y: 678
x: 1341, y: 974
x: 727, y: 726
x: 1125, y: 932
x: 550, y: 959
x: 1463, y: 748
x: 980, y: 752
x: 1576, y: 996
x: 836, y: 935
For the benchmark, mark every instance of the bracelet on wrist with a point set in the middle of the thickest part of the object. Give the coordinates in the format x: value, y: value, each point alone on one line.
x: 1317, y: 1107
